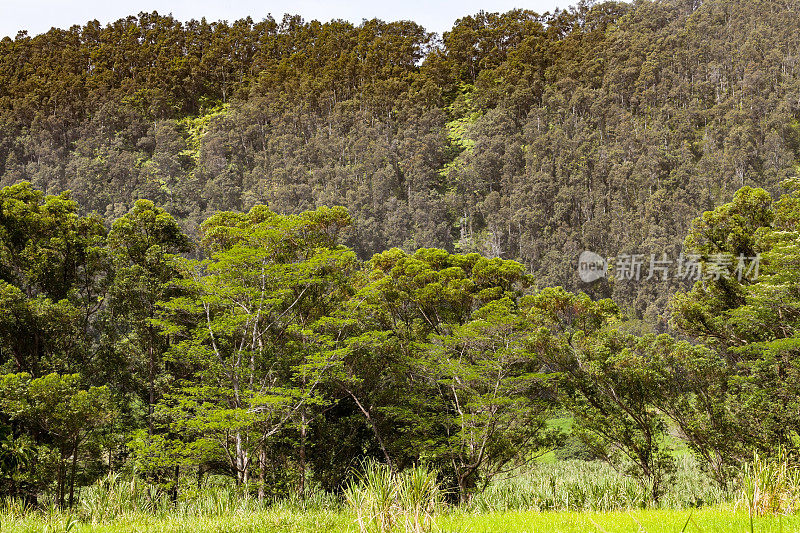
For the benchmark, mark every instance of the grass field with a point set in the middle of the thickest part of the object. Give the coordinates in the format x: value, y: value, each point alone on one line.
x: 566, y: 496
x: 709, y: 520
x: 280, y: 520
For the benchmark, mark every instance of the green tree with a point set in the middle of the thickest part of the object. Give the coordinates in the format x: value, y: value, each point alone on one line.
x: 496, y: 392
x: 51, y: 281
x: 750, y: 320
x: 245, y: 330
x: 383, y: 342
x: 141, y: 244
x: 609, y: 380
x: 59, y: 412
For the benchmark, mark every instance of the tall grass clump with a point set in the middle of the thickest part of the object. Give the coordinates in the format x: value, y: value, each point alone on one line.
x: 771, y: 486
x: 384, y: 501
x: 419, y: 497
x: 14, y: 509
x: 131, y: 504
x: 115, y: 497
x: 575, y: 485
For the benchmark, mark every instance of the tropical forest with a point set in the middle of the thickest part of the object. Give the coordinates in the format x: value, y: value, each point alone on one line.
x: 538, y: 272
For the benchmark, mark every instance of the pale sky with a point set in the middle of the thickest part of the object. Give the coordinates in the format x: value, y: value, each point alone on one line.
x: 38, y: 16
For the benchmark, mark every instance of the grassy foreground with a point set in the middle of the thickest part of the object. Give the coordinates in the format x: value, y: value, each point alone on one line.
x: 563, y: 497
x: 708, y: 520
x: 279, y: 520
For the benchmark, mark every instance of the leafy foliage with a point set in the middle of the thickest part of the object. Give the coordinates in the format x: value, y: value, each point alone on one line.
x: 435, y: 319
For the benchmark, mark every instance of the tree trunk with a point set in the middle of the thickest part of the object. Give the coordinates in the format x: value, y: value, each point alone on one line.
x: 201, y: 469
x: 174, y: 490
x: 60, y: 477
x: 463, y: 494
x: 72, y: 473
x: 655, y: 489
x: 262, y: 465
x: 241, y: 461
x: 303, y: 456
x: 375, y: 432
x: 151, y: 370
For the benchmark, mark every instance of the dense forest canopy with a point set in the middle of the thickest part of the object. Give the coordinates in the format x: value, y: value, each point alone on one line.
x: 607, y: 126
x: 267, y: 352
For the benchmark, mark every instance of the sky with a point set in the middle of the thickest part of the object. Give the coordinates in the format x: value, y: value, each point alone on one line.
x: 38, y: 16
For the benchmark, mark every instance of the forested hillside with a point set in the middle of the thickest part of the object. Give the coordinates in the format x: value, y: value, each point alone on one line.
x: 300, y: 257
x: 607, y: 126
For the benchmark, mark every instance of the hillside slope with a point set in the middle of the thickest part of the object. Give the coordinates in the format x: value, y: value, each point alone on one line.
x: 605, y: 127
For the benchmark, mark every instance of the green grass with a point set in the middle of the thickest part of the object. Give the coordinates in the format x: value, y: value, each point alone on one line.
x: 280, y: 519
x: 708, y: 520
x: 268, y: 520
x: 563, y: 497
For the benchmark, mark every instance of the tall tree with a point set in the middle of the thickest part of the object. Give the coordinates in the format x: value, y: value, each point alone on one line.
x: 51, y: 281
x: 141, y: 244
x: 244, y: 327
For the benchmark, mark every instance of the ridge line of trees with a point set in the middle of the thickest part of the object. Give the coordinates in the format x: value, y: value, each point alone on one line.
x: 518, y: 135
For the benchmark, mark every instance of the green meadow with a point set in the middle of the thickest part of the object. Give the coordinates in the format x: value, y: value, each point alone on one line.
x: 562, y: 496
x: 723, y: 519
